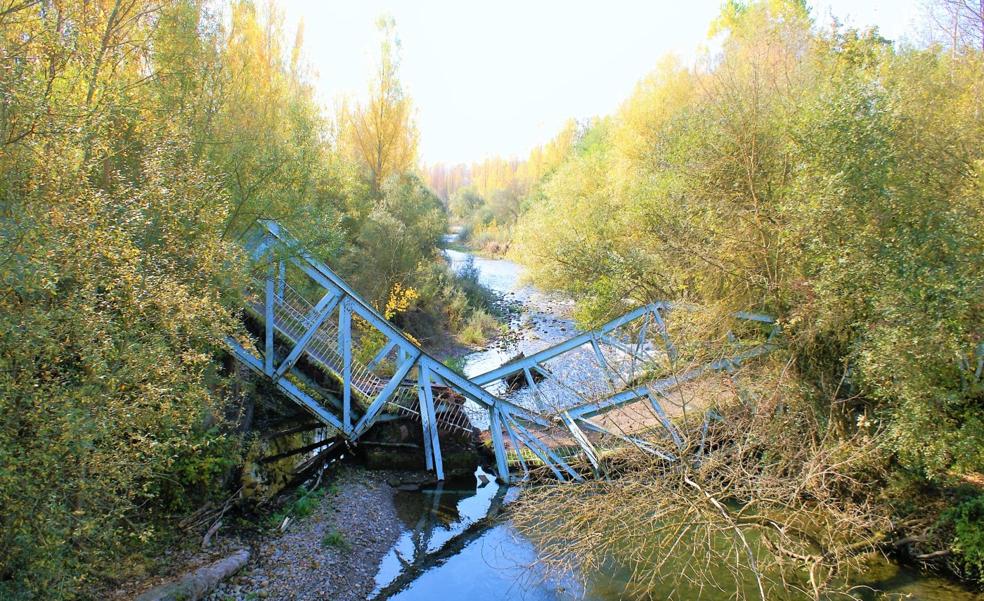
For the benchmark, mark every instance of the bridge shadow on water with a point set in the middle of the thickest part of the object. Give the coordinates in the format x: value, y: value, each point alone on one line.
x: 458, y: 544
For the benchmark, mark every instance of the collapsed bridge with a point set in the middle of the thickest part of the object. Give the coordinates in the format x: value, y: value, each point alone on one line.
x: 329, y: 351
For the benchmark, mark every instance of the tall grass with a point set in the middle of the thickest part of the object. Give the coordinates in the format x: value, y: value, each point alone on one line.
x: 479, y: 328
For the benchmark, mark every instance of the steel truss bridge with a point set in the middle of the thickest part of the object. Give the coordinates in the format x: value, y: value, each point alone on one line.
x: 613, y: 385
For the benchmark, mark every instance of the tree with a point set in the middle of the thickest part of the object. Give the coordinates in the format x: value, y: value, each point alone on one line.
x: 826, y: 177
x: 268, y: 133
x: 381, y: 133
x: 136, y: 137
x: 465, y: 201
x: 400, y: 233
x: 960, y: 23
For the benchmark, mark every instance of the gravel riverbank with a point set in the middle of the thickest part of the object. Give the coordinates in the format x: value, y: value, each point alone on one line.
x: 334, y: 552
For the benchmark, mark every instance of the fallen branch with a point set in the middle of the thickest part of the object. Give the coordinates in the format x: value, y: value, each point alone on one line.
x: 196, y: 585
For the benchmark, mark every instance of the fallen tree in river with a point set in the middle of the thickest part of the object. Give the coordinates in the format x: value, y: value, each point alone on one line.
x: 767, y: 503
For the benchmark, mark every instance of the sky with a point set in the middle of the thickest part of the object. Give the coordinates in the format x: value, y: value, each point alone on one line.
x: 500, y: 77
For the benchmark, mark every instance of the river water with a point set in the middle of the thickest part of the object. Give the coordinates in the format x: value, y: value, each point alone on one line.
x: 458, y: 544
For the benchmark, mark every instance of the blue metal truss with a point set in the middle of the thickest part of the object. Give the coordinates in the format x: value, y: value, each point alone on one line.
x: 650, y: 317
x: 322, y: 333
x: 405, y: 379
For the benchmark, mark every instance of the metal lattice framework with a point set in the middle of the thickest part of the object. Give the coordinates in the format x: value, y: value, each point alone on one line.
x: 624, y: 366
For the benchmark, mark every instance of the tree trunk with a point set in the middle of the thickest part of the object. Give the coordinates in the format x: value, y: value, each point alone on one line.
x: 196, y: 585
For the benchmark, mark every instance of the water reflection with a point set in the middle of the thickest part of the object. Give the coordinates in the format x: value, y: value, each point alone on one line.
x: 457, y: 544
x: 455, y: 547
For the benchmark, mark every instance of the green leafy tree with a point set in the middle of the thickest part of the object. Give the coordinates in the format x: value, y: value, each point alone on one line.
x: 821, y: 176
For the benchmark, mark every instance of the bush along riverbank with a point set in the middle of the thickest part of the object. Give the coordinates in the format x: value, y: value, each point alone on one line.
x: 809, y: 512
x: 828, y: 177
x: 138, y: 150
x: 803, y: 519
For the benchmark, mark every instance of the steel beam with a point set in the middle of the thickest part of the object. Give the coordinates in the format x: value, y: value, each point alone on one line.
x: 582, y: 440
x: 503, y: 414
x: 281, y: 279
x: 563, y: 347
x: 423, y: 375
x: 495, y: 429
x: 425, y: 423
x: 345, y: 350
x: 664, y: 419
x: 292, y: 392
x: 638, y: 442
x: 386, y: 350
x: 671, y: 352
x: 535, y: 447
x: 603, y: 364
x: 662, y: 385
x: 516, y: 445
x: 268, y: 301
x: 478, y: 394
x: 543, y: 452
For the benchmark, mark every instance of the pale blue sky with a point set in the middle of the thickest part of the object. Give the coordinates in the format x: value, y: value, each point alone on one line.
x: 499, y: 77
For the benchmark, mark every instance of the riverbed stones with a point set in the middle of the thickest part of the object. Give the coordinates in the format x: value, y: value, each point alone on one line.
x: 298, y: 565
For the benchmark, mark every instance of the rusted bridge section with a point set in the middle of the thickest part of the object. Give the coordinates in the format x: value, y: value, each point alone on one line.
x: 372, y: 371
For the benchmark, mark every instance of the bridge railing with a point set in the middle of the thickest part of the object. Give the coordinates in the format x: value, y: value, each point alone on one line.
x: 628, y: 366
x: 571, y: 388
x: 321, y: 332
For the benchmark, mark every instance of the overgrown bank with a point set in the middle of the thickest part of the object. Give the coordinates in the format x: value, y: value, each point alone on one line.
x: 821, y: 175
x: 138, y: 141
x: 830, y: 178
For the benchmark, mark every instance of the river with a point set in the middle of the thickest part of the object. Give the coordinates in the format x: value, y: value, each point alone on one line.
x: 458, y: 544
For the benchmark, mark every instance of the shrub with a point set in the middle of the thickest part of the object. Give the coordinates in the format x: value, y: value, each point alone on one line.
x: 480, y: 326
x: 967, y: 521
x: 110, y: 390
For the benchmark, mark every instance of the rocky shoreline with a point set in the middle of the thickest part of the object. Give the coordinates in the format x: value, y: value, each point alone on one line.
x: 332, y: 553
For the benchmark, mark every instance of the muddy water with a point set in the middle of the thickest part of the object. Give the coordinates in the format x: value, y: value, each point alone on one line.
x: 458, y: 544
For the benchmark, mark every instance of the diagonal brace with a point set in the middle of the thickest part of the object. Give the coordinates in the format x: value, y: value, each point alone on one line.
x: 321, y: 311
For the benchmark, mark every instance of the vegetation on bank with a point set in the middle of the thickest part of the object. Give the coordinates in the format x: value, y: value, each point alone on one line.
x: 823, y: 175
x: 833, y: 179
x: 139, y: 139
x: 486, y: 199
